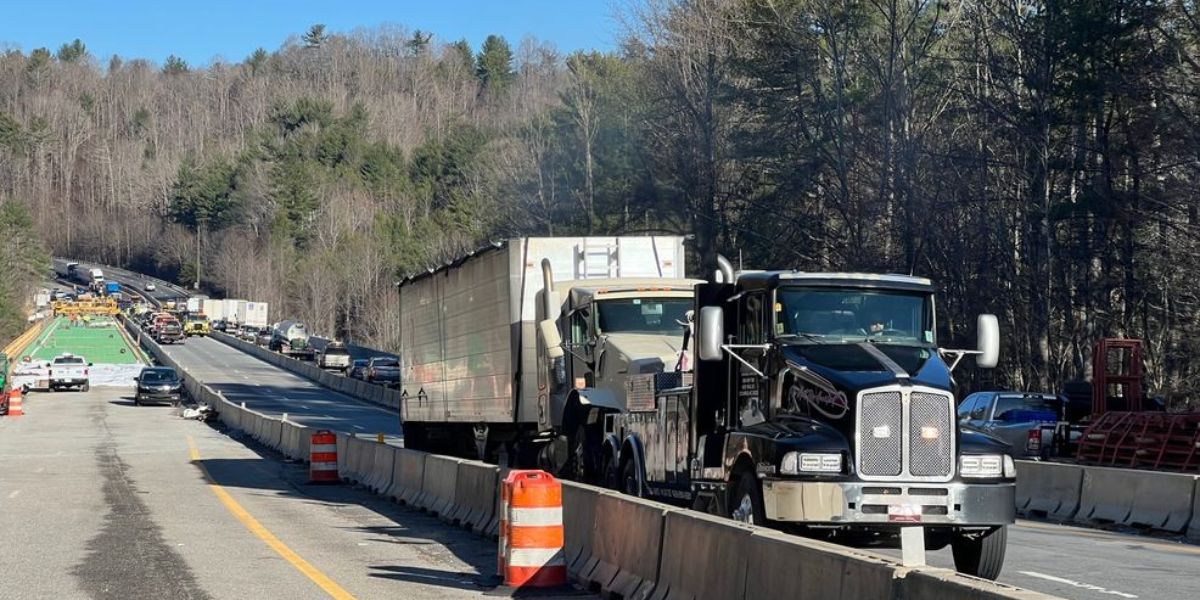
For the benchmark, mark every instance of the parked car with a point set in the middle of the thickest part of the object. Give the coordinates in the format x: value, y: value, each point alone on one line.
x: 358, y: 369
x: 218, y: 325
x: 384, y: 370
x: 1027, y: 421
x: 158, y: 384
x: 263, y: 337
x: 150, y: 287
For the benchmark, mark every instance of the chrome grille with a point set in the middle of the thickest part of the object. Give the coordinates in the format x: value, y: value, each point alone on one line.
x: 930, y: 413
x: 905, y: 434
x: 881, y: 429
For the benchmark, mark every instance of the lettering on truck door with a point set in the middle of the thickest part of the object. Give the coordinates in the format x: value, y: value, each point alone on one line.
x: 751, y: 389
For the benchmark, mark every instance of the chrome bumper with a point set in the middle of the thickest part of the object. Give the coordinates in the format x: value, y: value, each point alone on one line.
x: 892, y: 503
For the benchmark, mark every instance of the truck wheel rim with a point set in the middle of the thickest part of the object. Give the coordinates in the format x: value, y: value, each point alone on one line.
x: 745, y: 510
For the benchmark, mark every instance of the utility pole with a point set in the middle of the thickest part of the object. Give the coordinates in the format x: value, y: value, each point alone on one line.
x: 199, y: 234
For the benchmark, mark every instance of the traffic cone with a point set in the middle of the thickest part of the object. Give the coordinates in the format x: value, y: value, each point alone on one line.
x: 14, y: 403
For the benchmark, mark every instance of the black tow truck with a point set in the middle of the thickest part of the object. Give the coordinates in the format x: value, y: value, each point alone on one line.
x: 820, y: 403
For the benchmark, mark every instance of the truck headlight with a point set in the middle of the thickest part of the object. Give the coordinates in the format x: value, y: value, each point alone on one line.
x: 795, y: 463
x: 987, y: 465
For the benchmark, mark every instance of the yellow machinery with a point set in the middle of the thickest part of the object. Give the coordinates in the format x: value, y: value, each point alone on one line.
x: 87, y: 306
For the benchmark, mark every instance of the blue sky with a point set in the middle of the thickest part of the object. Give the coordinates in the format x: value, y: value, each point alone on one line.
x: 200, y: 31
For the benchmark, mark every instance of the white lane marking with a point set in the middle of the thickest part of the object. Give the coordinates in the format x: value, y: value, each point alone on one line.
x: 1084, y: 586
x: 14, y: 494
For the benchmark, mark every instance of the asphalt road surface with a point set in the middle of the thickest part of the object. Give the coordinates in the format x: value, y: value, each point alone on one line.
x: 274, y: 391
x: 1075, y: 562
x: 102, y: 499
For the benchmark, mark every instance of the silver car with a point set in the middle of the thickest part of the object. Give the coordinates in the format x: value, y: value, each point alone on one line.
x: 1025, y: 420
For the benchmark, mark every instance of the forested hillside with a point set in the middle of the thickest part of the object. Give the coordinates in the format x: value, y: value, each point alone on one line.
x: 1037, y: 159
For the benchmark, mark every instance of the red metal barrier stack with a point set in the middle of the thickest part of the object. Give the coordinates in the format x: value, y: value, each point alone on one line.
x: 323, y: 459
x: 531, y: 530
x: 1147, y: 440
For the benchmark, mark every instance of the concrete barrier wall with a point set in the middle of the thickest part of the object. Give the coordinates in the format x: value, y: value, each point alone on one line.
x: 380, y: 477
x: 626, y: 544
x: 1048, y: 490
x: 408, y: 473
x: 579, y: 526
x: 813, y: 569
x: 439, y: 485
x: 476, y: 496
x: 722, y: 573
x: 1162, y: 501
x: 359, y: 389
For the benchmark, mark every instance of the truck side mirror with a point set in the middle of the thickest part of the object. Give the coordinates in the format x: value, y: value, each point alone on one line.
x: 711, y: 334
x: 989, y: 342
x: 551, y: 339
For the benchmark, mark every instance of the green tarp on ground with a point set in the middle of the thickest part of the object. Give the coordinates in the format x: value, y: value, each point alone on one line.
x: 99, y: 340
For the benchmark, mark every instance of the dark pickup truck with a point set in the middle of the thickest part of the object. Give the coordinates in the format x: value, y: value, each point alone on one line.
x: 384, y: 370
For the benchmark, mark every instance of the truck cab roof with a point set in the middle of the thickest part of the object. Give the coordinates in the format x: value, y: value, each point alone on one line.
x: 770, y: 279
x: 583, y: 291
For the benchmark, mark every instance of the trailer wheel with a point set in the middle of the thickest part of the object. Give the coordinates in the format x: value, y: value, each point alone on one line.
x: 746, y: 502
x: 629, y: 479
x: 980, y: 554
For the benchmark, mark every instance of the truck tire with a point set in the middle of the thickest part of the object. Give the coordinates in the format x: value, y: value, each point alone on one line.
x: 746, y: 501
x: 628, y: 481
x: 981, y: 555
x: 86, y: 387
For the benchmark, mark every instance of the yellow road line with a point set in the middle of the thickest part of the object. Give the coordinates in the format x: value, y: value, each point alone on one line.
x: 314, y: 574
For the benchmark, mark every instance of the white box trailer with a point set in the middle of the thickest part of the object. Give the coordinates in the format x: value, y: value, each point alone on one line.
x: 231, y: 310
x: 253, y: 314
x: 214, y: 309
x: 468, y: 330
x: 194, y: 305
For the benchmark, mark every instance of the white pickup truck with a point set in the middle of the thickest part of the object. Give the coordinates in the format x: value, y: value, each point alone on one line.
x: 69, y: 371
x: 334, y: 357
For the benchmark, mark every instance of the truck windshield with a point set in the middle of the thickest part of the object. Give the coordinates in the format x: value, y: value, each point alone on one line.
x: 873, y: 315
x: 643, y: 315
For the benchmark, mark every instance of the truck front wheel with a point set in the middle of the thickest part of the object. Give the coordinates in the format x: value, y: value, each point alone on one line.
x: 980, y: 553
x: 746, y: 502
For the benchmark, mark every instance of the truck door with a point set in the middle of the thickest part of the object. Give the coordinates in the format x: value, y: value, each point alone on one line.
x: 751, y: 388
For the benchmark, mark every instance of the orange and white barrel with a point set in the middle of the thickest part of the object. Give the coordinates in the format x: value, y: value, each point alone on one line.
x: 531, y: 530
x: 14, y: 403
x: 323, y: 460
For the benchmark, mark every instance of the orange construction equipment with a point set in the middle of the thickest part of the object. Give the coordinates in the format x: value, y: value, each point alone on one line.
x: 531, y: 530
x: 323, y: 460
x: 14, y: 403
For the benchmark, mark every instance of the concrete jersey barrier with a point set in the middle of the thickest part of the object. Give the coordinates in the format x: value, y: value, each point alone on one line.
x: 439, y: 485
x: 781, y: 565
x: 721, y: 576
x: 1048, y: 489
x: 358, y: 389
x: 626, y: 543
x: 407, y: 475
x: 1147, y: 498
x: 475, y: 493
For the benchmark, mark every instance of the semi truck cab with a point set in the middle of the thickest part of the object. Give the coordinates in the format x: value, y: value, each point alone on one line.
x: 821, y: 403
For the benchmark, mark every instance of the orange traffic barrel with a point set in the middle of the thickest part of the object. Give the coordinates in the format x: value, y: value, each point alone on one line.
x: 531, y: 530
x: 323, y: 461
x: 14, y: 403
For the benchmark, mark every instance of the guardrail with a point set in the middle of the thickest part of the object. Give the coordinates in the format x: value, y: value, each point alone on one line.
x: 354, y: 388
x: 1090, y: 495
x: 14, y: 348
